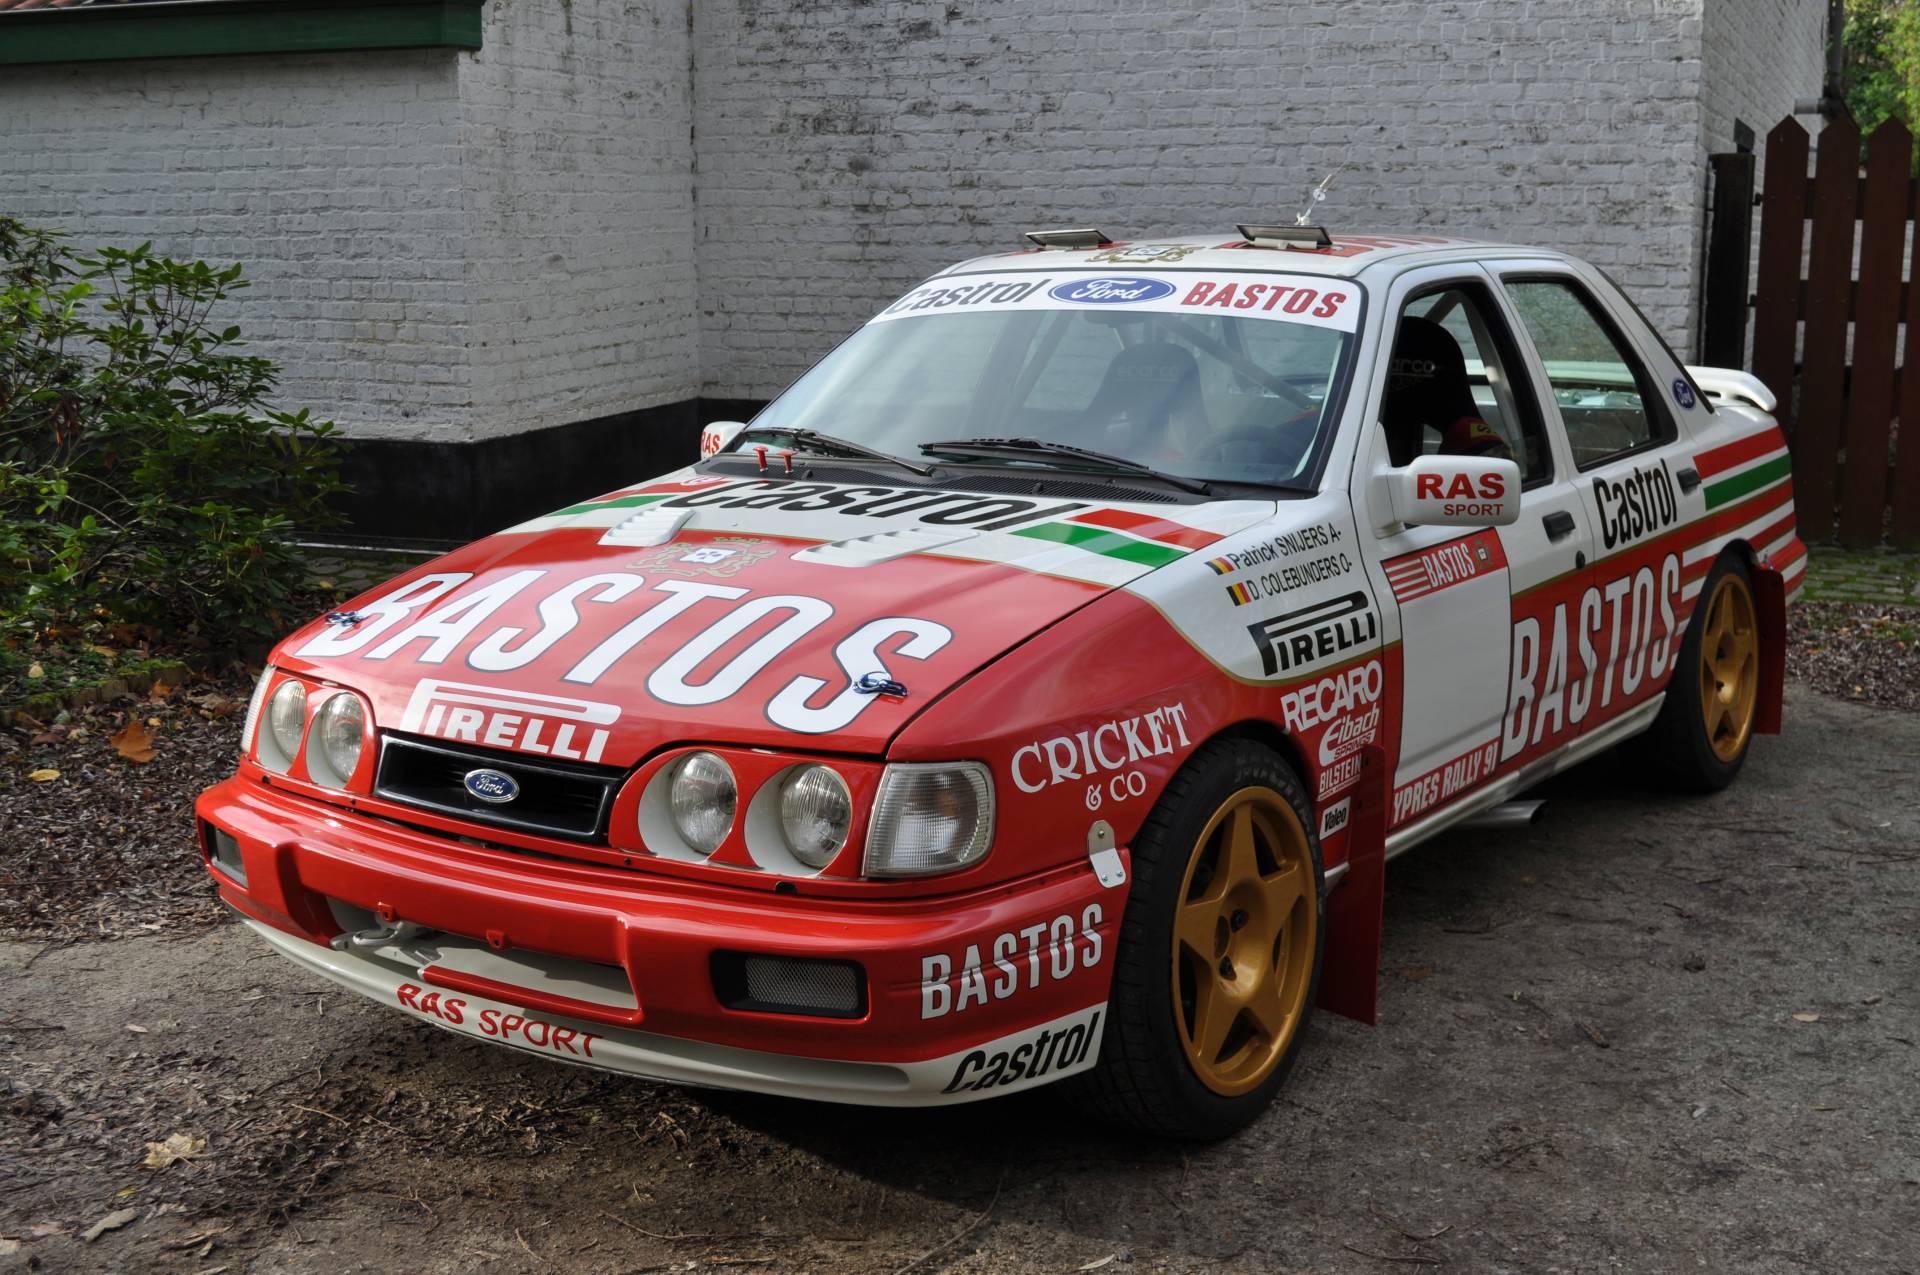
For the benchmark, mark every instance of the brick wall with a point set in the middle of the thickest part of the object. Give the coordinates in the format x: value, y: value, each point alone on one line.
x: 334, y: 178
x: 603, y: 210
x: 445, y: 247
x: 845, y: 150
x: 576, y: 169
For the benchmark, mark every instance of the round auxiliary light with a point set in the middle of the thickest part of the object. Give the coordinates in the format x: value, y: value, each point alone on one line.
x: 702, y: 798
x: 287, y: 720
x: 816, y: 814
x: 339, y: 729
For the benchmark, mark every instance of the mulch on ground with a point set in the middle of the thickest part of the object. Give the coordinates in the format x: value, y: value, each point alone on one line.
x: 1867, y: 652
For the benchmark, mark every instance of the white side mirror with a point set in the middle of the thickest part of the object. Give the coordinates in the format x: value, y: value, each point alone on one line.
x: 1456, y: 491
x: 715, y: 437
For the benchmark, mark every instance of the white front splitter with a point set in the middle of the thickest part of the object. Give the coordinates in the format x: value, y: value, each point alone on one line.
x: 1035, y: 1056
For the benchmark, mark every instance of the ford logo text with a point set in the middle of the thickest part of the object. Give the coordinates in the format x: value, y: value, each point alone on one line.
x: 1113, y: 290
x: 495, y: 787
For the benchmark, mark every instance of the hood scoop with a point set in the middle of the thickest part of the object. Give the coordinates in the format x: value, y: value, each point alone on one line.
x: 651, y: 526
x: 884, y: 546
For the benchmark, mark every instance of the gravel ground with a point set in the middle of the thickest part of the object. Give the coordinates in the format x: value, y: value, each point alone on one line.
x: 1647, y: 1034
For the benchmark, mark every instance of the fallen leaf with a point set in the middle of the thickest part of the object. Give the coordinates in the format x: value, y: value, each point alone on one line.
x: 8, y: 1246
x: 1806, y: 1018
x: 111, y: 1222
x: 177, y: 1147
x: 1593, y: 1034
x: 44, y: 775
x: 1096, y: 1263
x: 1871, y: 1000
x: 44, y: 738
x: 160, y: 691
x: 136, y: 1027
x: 36, y: 671
x: 134, y: 742
x: 1414, y: 974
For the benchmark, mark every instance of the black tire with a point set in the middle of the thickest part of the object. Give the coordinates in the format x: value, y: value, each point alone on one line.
x: 1678, y: 753
x: 1144, y: 1079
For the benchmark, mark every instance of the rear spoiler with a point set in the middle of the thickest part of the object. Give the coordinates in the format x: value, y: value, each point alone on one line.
x: 1726, y: 382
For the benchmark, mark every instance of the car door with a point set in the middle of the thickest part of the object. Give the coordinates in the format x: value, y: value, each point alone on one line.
x: 1635, y: 487
x: 1455, y: 590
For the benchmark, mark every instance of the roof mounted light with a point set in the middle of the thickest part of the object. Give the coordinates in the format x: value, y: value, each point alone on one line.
x: 1300, y: 238
x: 1068, y: 239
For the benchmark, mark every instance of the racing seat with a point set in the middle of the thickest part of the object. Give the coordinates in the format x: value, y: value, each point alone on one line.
x: 1427, y: 387
x: 1148, y: 401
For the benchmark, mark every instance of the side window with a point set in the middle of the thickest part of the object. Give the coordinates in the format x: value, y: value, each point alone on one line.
x: 1448, y: 389
x: 1603, y: 392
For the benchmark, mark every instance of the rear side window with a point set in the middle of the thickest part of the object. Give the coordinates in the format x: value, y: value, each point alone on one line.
x: 1605, y: 396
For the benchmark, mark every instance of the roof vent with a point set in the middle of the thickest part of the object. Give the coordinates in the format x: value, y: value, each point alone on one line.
x: 1068, y: 239
x: 1301, y: 238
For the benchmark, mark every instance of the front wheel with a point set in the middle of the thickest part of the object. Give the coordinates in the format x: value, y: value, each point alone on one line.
x: 1701, y: 737
x: 1219, y: 952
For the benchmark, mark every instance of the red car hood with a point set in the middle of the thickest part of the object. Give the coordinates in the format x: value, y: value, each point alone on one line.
x: 732, y: 611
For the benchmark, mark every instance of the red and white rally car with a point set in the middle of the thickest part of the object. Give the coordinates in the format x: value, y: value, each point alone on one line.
x: 1035, y: 689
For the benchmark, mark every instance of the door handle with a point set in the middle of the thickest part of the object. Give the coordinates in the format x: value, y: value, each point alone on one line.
x: 1559, y: 524
x: 1689, y: 479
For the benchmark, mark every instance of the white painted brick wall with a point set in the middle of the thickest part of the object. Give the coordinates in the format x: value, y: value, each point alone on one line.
x: 334, y: 178
x: 459, y: 246
x: 845, y: 150
x: 443, y: 245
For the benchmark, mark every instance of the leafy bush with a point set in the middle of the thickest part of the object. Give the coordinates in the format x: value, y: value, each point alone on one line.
x: 145, y: 483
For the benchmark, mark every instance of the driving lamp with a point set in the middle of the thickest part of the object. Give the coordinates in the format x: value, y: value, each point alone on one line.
x: 930, y: 818
x: 286, y: 721
x: 702, y: 797
x: 816, y: 814
x: 338, y: 731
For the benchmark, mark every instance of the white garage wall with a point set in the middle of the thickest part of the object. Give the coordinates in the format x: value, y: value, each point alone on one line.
x: 847, y: 149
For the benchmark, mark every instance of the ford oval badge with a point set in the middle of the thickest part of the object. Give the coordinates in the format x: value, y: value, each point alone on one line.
x: 495, y: 787
x: 1111, y: 290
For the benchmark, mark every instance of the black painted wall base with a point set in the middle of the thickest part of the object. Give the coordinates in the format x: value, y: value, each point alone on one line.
x: 408, y: 492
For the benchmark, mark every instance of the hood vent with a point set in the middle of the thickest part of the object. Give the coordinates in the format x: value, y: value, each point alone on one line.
x: 885, y: 546
x: 651, y: 526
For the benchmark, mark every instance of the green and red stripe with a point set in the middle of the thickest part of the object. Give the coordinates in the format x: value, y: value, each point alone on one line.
x: 1742, y: 451
x: 1145, y: 539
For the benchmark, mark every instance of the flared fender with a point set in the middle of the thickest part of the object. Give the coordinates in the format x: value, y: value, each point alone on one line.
x: 1350, y: 969
x: 1770, y: 604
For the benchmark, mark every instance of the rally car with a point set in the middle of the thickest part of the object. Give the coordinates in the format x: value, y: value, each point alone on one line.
x: 1034, y: 690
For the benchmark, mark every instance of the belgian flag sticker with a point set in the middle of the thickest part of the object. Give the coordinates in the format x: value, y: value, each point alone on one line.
x: 1240, y: 594
x: 1221, y: 566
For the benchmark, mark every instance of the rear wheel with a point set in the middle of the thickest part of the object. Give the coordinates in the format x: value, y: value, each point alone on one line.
x: 1219, y: 953
x: 1704, y: 729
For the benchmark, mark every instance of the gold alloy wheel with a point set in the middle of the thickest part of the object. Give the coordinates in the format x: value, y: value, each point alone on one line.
x: 1729, y: 667
x: 1243, y: 941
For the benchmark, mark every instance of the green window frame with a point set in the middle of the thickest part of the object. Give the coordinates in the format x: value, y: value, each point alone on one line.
x: 202, y: 28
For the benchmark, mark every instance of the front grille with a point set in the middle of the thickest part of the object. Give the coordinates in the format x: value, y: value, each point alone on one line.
x: 556, y: 798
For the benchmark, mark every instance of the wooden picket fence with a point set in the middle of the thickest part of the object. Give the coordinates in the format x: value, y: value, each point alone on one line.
x: 1836, y: 327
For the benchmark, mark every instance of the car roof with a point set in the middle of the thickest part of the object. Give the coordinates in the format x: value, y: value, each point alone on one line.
x: 1349, y: 256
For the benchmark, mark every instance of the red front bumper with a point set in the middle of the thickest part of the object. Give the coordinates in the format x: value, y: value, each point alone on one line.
x: 946, y: 978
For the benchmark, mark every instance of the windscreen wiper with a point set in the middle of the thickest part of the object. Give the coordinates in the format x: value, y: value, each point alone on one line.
x: 1030, y: 448
x: 812, y: 440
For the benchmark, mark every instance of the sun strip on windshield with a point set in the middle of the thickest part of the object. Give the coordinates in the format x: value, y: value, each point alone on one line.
x: 1307, y: 299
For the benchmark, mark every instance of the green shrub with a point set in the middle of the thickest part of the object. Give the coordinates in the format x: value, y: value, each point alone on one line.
x: 145, y: 482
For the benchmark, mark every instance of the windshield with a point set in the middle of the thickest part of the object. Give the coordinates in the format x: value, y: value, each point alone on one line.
x: 1203, y: 375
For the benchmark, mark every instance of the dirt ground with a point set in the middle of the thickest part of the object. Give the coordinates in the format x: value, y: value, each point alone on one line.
x: 1648, y: 1034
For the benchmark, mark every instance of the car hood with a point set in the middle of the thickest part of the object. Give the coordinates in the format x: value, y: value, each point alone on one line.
x: 743, y: 611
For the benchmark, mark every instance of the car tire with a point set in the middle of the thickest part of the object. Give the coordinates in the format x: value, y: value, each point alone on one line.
x: 1700, y: 739
x: 1218, y: 958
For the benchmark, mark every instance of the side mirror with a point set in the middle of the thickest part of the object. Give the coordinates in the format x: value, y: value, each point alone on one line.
x: 715, y: 437
x: 1456, y: 491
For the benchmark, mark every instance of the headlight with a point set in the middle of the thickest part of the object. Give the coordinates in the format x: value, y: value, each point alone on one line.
x: 816, y: 813
x: 702, y: 798
x: 333, y: 750
x: 253, y: 710
x: 286, y: 722
x: 930, y: 818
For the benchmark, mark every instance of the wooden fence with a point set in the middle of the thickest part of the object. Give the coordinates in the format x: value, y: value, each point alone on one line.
x: 1836, y: 327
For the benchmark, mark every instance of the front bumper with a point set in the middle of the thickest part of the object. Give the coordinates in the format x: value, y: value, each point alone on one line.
x: 967, y: 996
